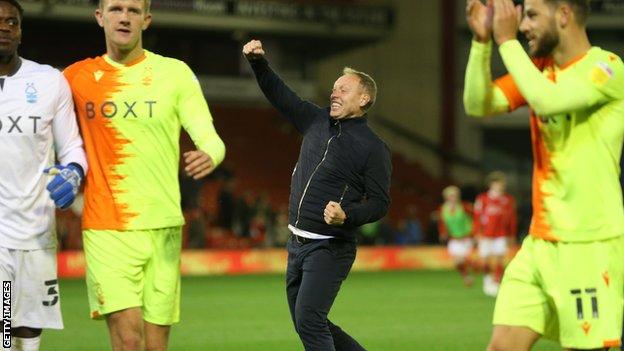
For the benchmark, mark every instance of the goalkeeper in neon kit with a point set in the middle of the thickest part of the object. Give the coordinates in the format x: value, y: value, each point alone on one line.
x: 37, y: 128
x: 131, y: 104
x: 566, y: 281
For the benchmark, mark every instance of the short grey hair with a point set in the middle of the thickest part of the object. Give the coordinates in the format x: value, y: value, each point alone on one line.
x: 368, y: 84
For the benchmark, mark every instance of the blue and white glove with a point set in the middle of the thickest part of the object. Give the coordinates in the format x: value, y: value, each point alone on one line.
x: 65, y: 184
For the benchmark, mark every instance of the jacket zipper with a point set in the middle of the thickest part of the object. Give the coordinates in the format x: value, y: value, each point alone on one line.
x: 346, y: 187
x: 305, y: 190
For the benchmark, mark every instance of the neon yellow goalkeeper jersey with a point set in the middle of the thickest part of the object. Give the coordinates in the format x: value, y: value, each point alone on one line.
x: 130, y: 117
x: 577, y: 129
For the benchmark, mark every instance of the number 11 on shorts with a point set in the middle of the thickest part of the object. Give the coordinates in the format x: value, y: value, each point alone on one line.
x: 578, y: 293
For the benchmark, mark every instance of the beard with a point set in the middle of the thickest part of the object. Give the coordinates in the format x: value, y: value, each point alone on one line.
x: 7, y: 54
x: 546, y: 44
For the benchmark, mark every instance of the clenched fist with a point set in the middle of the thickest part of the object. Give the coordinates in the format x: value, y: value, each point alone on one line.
x: 333, y: 214
x: 253, y: 50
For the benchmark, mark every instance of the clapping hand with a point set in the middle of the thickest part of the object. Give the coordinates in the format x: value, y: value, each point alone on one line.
x: 479, y: 18
x: 506, y: 21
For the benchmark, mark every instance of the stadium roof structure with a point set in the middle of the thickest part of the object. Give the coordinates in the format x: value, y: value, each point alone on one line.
x: 333, y: 20
x: 605, y: 15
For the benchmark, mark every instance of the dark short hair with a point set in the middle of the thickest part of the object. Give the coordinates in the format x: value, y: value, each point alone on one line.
x: 15, y: 4
x: 580, y: 8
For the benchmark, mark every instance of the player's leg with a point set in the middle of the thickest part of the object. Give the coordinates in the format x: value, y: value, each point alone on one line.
x: 485, y: 256
x: 7, y: 273
x: 512, y: 338
x: 126, y: 329
x: 499, y: 251
x: 459, y: 249
x: 342, y: 340
x: 482, y: 254
x: 25, y: 339
x: 115, y: 281
x: 294, y: 274
x: 590, y: 290
x: 498, y: 268
x: 523, y: 311
x: 325, y: 266
x: 37, y: 300
x: 161, y: 293
x: 156, y: 336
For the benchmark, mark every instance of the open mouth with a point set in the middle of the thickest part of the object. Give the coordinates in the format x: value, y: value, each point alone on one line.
x: 335, y: 105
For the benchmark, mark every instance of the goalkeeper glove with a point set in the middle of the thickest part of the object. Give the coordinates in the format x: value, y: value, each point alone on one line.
x: 65, y: 184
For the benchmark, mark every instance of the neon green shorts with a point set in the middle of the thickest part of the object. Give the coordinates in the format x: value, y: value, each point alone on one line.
x: 568, y: 292
x: 128, y: 269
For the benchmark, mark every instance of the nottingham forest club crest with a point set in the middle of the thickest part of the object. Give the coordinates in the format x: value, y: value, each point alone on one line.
x: 31, y: 93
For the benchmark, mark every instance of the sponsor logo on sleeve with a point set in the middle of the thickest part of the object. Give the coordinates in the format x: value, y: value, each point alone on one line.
x: 601, y: 73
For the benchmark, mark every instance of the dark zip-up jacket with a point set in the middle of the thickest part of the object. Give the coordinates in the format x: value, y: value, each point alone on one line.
x: 340, y: 160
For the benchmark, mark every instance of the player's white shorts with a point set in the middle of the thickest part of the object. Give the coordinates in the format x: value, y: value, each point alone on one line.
x: 492, y: 247
x: 34, y: 287
x: 460, y: 248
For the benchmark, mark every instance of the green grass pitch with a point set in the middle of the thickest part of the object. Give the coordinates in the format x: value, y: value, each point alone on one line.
x: 387, y: 311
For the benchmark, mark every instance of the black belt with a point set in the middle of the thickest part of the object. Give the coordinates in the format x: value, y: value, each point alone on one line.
x: 302, y: 239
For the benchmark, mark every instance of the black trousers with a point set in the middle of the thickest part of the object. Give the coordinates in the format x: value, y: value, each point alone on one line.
x: 315, y: 272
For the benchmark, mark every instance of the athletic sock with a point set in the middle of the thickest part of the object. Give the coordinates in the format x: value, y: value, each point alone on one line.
x: 25, y: 344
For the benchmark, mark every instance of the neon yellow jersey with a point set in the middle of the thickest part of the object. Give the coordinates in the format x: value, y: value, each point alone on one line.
x: 130, y: 117
x: 577, y: 129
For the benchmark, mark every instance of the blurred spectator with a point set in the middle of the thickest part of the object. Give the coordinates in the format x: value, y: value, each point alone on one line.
x: 195, y: 228
x: 432, y: 233
x: 262, y: 220
x: 410, y: 230
x: 279, y: 231
x: 225, y: 218
x: 258, y: 229
x: 194, y: 232
x: 244, y: 211
x: 189, y: 191
x: 376, y: 233
x: 369, y: 233
x: 387, y: 232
